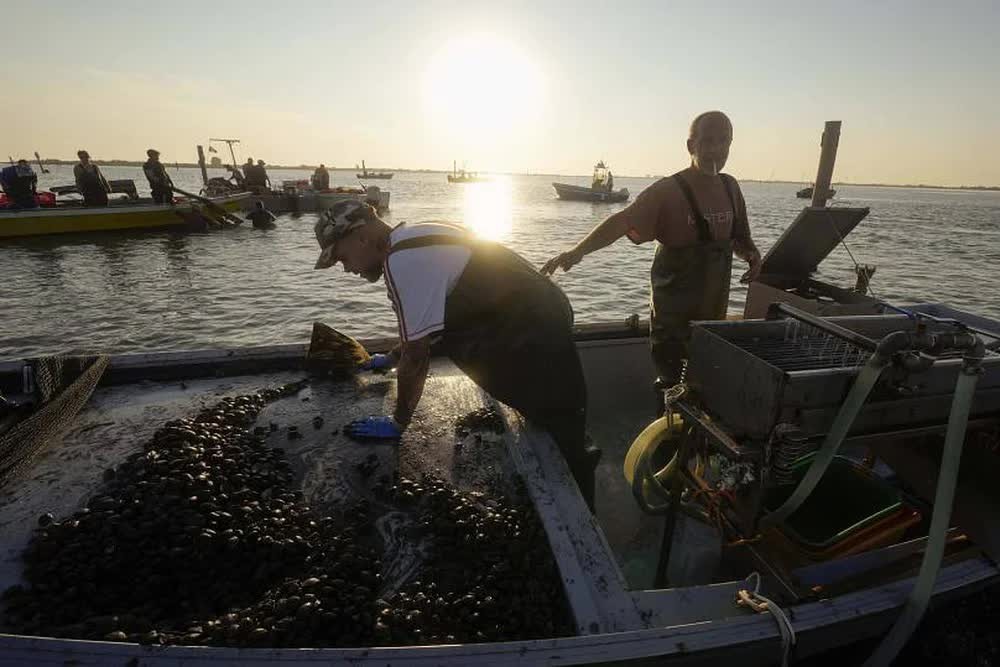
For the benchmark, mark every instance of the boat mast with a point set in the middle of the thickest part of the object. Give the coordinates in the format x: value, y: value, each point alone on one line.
x: 230, y: 143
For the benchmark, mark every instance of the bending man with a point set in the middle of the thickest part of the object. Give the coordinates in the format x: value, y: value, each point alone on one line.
x: 502, y: 322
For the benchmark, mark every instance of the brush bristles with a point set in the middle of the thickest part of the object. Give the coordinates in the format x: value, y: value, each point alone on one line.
x: 334, y: 351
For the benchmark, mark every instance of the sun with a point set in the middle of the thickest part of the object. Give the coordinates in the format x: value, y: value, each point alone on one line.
x: 481, y: 86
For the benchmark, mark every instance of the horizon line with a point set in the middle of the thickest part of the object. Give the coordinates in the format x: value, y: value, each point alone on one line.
x: 194, y: 165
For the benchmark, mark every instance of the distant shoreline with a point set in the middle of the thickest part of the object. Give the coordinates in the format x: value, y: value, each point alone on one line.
x: 194, y: 165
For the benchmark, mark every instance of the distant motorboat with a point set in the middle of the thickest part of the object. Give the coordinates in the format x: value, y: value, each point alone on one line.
x: 579, y: 193
x: 367, y: 175
x: 807, y: 193
x: 601, y: 188
x: 464, y: 176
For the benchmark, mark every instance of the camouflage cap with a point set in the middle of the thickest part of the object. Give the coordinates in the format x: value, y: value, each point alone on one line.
x: 334, y: 224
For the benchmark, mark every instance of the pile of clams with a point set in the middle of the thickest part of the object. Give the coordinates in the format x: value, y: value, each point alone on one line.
x: 203, y: 539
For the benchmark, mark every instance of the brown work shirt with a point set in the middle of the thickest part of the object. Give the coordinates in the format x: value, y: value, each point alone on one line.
x: 661, y: 212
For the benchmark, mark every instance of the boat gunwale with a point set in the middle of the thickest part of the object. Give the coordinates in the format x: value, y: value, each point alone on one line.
x: 251, y: 360
x: 749, y: 632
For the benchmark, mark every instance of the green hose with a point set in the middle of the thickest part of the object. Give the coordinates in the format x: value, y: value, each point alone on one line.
x: 916, y: 604
x: 852, y: 405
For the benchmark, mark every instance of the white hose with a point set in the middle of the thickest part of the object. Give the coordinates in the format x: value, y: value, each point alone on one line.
x: 916, y: 604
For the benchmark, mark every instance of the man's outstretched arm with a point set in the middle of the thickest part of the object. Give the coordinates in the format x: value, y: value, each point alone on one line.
x: 414, y: 362
x: 601, y: 236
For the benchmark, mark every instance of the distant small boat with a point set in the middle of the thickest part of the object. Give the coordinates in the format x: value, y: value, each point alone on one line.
x: 464, y: 176
x: 366, y: 175
x: 807, y: 193
x: 600, y: 190
x: 580, y: 193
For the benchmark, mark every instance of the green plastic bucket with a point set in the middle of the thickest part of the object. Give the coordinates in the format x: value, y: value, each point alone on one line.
x: 847, y: 499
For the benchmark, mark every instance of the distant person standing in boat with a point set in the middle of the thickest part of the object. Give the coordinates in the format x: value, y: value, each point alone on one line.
x: 262, y: 174
x: 160, y: 183
x: 249, y: 173
x: 256, y: 177
x: 698, y: 218
x: 236, y: 178
x: 321, y: 178
x: 20, y: 184
x: 261, y: 217
x: 499, y: 320
x: 90, y: 181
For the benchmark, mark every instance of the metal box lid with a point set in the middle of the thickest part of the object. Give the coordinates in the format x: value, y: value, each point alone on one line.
x: 809, y: 239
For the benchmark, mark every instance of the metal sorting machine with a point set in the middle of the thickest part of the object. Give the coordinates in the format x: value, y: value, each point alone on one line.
x: 769, y: 399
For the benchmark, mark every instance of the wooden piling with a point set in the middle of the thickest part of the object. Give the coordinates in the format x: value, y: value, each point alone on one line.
x: 827, y: 157
x: 201, y: 163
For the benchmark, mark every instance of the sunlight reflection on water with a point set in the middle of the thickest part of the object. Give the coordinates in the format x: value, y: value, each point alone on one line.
x: 487, y: 208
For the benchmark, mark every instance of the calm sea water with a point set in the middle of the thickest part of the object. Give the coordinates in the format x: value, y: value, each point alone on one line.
x: 158, y: 291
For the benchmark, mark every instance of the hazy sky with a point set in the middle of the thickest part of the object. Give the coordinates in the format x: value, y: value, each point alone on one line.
x: 536, y: 86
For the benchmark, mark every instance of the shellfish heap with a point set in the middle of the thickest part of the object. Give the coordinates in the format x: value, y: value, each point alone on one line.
x: 202, y: 539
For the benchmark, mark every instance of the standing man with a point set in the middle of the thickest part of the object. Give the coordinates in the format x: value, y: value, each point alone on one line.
x: 321, y: 178
x: 236, y: 178
x: 265, y: 180
x: 504, y: 324
x: 699, y: 219
x: 20, y: 184
x: 90, y: 181
x: 159, y: 180
x: 249, y: 171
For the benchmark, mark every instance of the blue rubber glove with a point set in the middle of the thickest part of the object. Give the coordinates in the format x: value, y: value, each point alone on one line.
x: 373, y: 428
x: 379, y: 362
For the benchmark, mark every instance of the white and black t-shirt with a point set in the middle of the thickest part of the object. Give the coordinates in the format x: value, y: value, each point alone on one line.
x: 419, y: 280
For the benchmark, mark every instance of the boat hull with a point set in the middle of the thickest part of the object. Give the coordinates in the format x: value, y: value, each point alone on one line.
x: 312, y: 202
x: 368, y: 177
x: 570, y: 192
x: 73, y: 220
x: 684, y: 624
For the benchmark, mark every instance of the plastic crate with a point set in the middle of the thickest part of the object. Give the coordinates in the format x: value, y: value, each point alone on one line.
x: 847, y: 500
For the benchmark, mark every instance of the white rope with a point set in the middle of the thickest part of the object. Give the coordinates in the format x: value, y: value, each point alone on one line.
x: 761, y: 604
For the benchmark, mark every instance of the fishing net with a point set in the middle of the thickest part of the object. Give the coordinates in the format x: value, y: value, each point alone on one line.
x: 62, y: 385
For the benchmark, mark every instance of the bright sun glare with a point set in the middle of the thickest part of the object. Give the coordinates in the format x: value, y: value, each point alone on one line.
x: 479, y: 86
x: 487, y: 208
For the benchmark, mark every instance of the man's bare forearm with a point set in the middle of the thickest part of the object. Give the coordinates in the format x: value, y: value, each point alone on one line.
x: 603, y: 235
x: 411, y: 374
x: 745, y: 249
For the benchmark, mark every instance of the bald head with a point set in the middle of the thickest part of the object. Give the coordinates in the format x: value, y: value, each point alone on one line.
x: 709, y: 138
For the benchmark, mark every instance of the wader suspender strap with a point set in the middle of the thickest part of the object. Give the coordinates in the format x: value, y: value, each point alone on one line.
x: 704, y: 232
x: 728, y: 182
x: 429, y: 240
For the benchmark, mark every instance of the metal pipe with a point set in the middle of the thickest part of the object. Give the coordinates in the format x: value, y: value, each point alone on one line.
x: 201, y: 163
x: 824, y: 325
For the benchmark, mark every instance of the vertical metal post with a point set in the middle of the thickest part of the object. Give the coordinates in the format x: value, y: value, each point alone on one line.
x: 670, y: 522
x: 827, y: 157
x: 201, y: 163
